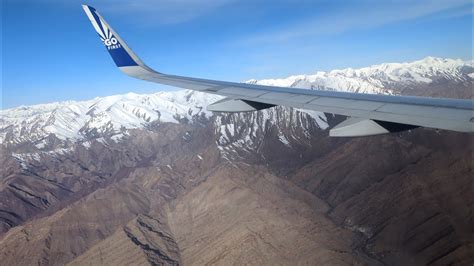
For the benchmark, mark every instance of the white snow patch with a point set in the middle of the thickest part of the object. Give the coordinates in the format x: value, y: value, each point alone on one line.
x: 35, y: 156
x: 117, y: 137
x: 86, y: 144
x: 41, y: 144
x: 20, y: 158
x: 101, y: 140
x: 284, y: 140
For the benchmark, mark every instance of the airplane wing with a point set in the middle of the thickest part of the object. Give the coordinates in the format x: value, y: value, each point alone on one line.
x: 370, y: 114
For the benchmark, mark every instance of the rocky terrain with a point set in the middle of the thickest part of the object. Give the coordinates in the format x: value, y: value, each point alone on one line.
x: 156, y: 179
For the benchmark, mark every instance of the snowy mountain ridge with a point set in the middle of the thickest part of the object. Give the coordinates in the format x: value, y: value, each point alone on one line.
x: 74, y: 120
x: 378, y: 79
x: 111, y: 114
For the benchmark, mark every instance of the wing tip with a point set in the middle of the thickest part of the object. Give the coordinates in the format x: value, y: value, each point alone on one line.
x: 88, y: 8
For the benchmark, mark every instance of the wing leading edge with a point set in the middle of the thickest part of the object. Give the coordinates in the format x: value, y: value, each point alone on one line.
x: 372, y: 114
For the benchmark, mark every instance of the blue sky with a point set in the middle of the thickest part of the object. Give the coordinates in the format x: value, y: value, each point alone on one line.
x: 50, y: 51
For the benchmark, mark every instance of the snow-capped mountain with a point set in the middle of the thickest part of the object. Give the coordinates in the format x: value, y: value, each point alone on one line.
x: 383, y: 78
x: 105, y: 115
x: 78, y: 120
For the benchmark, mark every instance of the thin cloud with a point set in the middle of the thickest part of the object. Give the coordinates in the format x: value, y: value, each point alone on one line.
x: 363, y: 15
x: 150, y: 12
x: 162, y: 11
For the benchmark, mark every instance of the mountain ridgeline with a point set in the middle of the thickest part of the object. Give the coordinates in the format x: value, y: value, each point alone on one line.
x: 157, y: 179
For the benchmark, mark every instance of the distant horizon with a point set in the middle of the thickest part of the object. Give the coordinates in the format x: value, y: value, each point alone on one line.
x: 171, y: 89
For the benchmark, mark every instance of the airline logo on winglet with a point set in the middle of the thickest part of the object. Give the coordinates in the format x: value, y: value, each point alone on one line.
x: 101, y: 28
x: 108, y: 38
x: 117, y: 49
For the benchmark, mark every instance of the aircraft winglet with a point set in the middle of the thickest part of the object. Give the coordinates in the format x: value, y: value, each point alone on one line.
x: 122, y: 55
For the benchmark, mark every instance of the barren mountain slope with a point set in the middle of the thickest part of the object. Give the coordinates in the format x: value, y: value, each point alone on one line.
x: 409, y: 197
x: 237, y: 213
